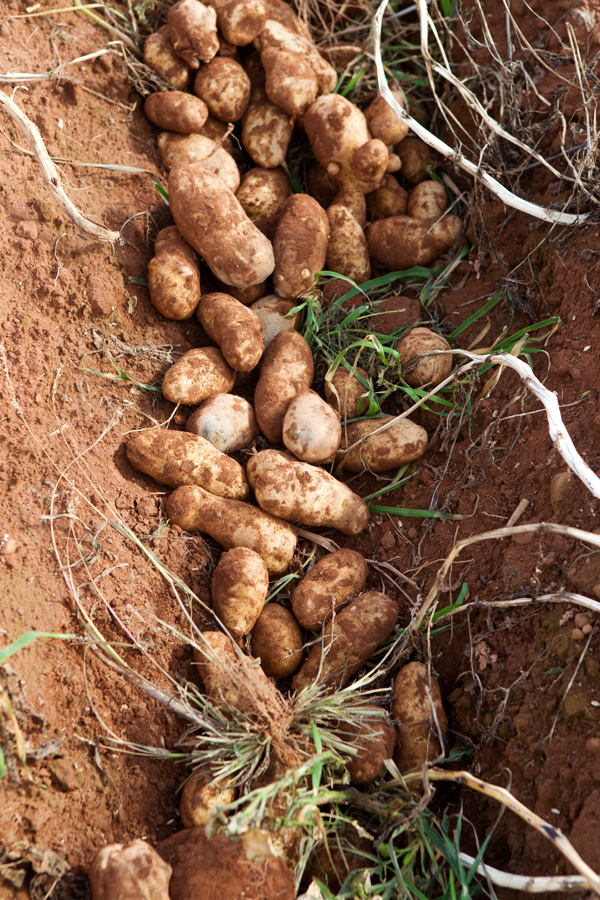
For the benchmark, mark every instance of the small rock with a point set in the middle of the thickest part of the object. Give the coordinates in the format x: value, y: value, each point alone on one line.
x: 388, y: 541
x: 581, y: 619
x: 65, y: 774
x: 27, y: 230
x: 561, y: 489
x: 593, y: 744
x: 8, y: 546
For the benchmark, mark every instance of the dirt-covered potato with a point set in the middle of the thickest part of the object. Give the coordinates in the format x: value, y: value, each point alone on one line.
x: 346, y: 393
x: 211, y: 219
x: 277, y: 640
x: 333, y: 581
x: 372, y: 161
x: 224, y: 87
x: 262, y: 194
x: 427, y: 200
x: 401, y: 443
x: 291, y: 83
x: 355, y: 202
x: 417, y: 706
x: 185, y: 149
x: 415, y: 157
x: 281, y: 37
x: 373, y: 742
x: 177, y: 457
x: 162, y: 59
x: 401, y: 242
x: 174, y: 276
x: 321, y: 185
x: 273, y: 313
x: 390, y: 199
x: 226, y: 421
x: 125, y: 871
x: 239, y: 589
x: 234, y: 327
x: 176, y: 111
x: 299, y: 245
x: 349, y: 640
x: 240, y: 21
x: 200, y: 796
x: 193, y: 31
x: 347, y: 251
x: 428, y: 370
x: 287, y: 369
x: 382, y: 120
x: 217, y: 132
x: 198, y: 375
x: 225, y: 671
x: 233, y: 524
x: 265, y: 461
x: 311, y: 428
x: 266, y: 132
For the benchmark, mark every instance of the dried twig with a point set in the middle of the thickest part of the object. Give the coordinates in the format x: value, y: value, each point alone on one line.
x: 531, y: 884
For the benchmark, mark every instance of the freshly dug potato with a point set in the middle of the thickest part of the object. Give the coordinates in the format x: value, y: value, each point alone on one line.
x: 287, y: 369
x: 347, y: 251
x: 198, y: 375
x: 382, y: 120
x: 176, y: 111
x: 262, y: 194
x: 266, y: 133
x: 277, y: 640
x: 218, y: 663
x: 291, y: 83
x: 174, y: 276
x: 224, y: 87
x: 265, y: 461
x: 427, y: 200
x: 185, y: 149
x: 240, y: 21
x: 193, y: 31
x: 400, y: 443
x: 177, y: 457
x: 217, y: 132
x: 123, y: 872
x: 281, y: 37
x: 388, y: 200
x: 372, y: 161
x: 200, y: 796
x: 239, y: 589
x: 226, y: 421
x: 417, y: 705
x: 346, y: 393
x: 321, y: 185
x: 210, y: 218
x: 282, y: 12
x: 162, y: 59
x: 429, y: 370
x: 299, y: 245
x: 273, y: 313
x: 350, y: 639
x: 374, y: 742
x: 234, y: 327
x: 415, y: 157
x: 401, y: 242
x: 233, y: 524
x: 311, y: 428
x: 333, y: 581
x: 355, y: 202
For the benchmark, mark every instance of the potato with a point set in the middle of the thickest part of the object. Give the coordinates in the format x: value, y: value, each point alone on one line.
x: 277, y: 640
x: 233, y: 524
x: 429, y: 370
x: 390, y: 199
x: 198, y: 375
x: 225, y: 672
x: 311, y: 428
x: 224, y: 87
x: 399, y: 444
x: 193, y: 31
x: 415, y: 157
x: 401, y: 242
x: 247, y: 295
x: 162, y: 59
x: 185, y: 149
x: 374, y: 742
x: 282, y: 12
x: 281, y: 37
x: 234, y: 327
x: 266, y: 133
x: 217, y: 132
x: 371, y: 162
x: 347, y: 251
x: 346, y: 393
x: 226, y: 421
x: 210, y: 218
x: 334, y: 580
x: 265, y: 461
x: 355, y: 202
x: 273, y: 314
x: 417, y: 706
x: 240, y: 21
x: 287, y: 369
x: 262, y: 194
x: 176, y: 111
x: 427, y: 200
x: 299, y: 245
x: 239, y: 589
x: 177, y: 457
x: 201, y: 795
x: 321, y: 185
x: 291, y: 83
x: 350, y: 639
x: 382, y: 120
x: 120, y: 872
x: 173, y: 276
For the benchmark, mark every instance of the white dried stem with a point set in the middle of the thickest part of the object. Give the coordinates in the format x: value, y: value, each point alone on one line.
x: 13, y: 77
x: 532, y: 884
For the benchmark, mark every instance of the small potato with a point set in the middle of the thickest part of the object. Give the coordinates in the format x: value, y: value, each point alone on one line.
x: 349, y: 640
x: 226, y: 421
x: 417, y: 706
x: 184, y: 149
x: 193, y: 31
x: 225, y: 671
x: 382, y: 120
x: 390, y: 199
x: 273, y: 313
x: 311, y: 428
x: 373, y: 742
x: 233, y: 524
x: 333, y: 581
x: 347, y: 251
x: 299, y: 245
x: 239, y: 589
x: 287, y: 369
x: 321, y: 185
x: 399, y: 444
x: 240, y: 21
x: 200, y: 796
x: 224, y: 87
x: 281, y: 37
x: 176, y: 111
x: 262, y: 194
x: 162, y: 59
x: 266, y: 131
x: 120, y: 872
x: 177, y: 457
x: 370, y: 162
x: 277, y: 640
x: 427, y: 200
x: 174, y: 276
x: 346, y: 393
x: 415, y: 157
x: 234, y: 327
x: 428, y: 370
x: 198, y: 375
x: 401, y: 242
x: 291, y: 83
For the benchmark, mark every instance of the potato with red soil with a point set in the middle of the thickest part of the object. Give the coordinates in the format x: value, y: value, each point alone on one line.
x: 132, y: 871
x: 290, y: 83
x: 383, y: 122
x: 224, y: 87
x: 193, y: 31
x: 401, y: 242
x: 426, y: 370
x: 211, y: 219
x: 201, y: 796
x: 273, y: 313
x: 390, y: 199
x: 234, y: 327
x: 240, y: 21
x: 427, y: 200
x: 177, y: 457
x: 333, y: 581
x: 277, y: 640
x: 287, y: 369
x: 217, y: 132
x: 374, y: 742
x: 174, y: 276
x: 262, y: 194
x: 280, y: 37
x: 354, y: 201
x: 347, y: 251
x: 299, y: 245
x: 311, y: 428
x: 176, y: 111
x: 226, y: 421
x: 321, y: 185
x: 346, y: 393
x: 265, y: 461
x: 350, y: 638
x: 233, y: 524
x: 415, y: 157
x: 186, y: 149
x: 162, y: 59
x: 401, y: 443
x: 266, y: 133
x: 417, y: 706
x: 198, y: 375
x: 239, y: 589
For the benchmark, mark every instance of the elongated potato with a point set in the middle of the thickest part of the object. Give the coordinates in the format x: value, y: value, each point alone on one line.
x: 427, y: 200
x: 174, y: 276
x: 266, y: 133
x: 417, y: 705
x: 184, y: 149
x: 281, y: 37
x: 390, y: 199
x: 176, y: 111
x: 311, y: 428
x: 399, y: 444
x: 234, y: 327
x: 347, y: 251
x: 193, y: 31
x: 291, y: 83
x: 239, y: 589
x: 277, y: 640
x: 240, y: 21
x: 349, y: 640
x: 428, y: 370
x: 346, y: 393
x: 415, y: 156
x: 198, y: 375
x: 210, y: 218
x: 333, y: 581
x: 300, y: 246
x: 226, y: 421
x: 373, y: 743
x: 273, y: 313
x: 401, y: 242
x: 354, y: 201
x: 262, y: 194
x: 265, y: 461
x: 287, y: 369
x: 233, y: 524
x: 382, y: 120
x: 224, y: 87
x: 201, y: 795
x: 176, y: 457
x: 162, y: 59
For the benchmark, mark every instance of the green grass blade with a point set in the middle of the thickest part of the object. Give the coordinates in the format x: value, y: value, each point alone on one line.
x: 3, y: 770
x: 458, y: 602
x: 481, y: 312
x: 416, y: 513
x: 27, y: 638
x: 163, y: 193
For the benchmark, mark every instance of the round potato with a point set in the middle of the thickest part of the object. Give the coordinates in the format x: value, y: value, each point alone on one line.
x: 239, y: 589
x: 333, y: 581
x: 390, y: 199
x: 291, y: 83
x: 226, y: 421
x: 200, y: 796
x: 193, y: 31
x: 417, y: 706
x: 184, y: 149
x: 162, y: 59
x: 287, y: 369
x: 426, y: 370
x: 266, y: 133
x: 120, y: 872
x: 373, y: 742
x: 427, y: 200
x: 198, y: 375
x: 346, y: 393
x: 234, y: 327
x: 262, y: 194
x: 299, y: 245
x: 174, y: 276
x: 311, y: 428
x: 347, y: 251
x: 371, y: 161
x: 277, y: 640
x: 401, y: 242
x: 240, y: 21
x: 382, y: 120
x: 224, y: 87
x: 415, y: 157
x: 176, y: 111
x: 273, y: 313
x: 399, y: 444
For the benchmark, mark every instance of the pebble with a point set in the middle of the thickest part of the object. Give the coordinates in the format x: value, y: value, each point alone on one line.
x: 65, y: 774
x: 27, y: 230
x: 8, y: 547
x: 388, y: 540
